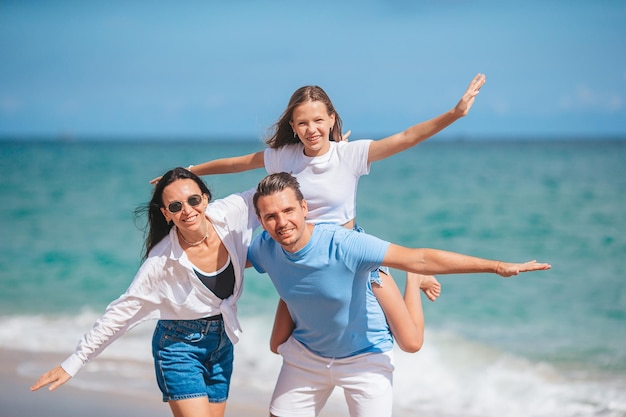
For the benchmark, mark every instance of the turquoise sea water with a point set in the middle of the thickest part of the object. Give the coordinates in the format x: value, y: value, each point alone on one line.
x: 551, y: 343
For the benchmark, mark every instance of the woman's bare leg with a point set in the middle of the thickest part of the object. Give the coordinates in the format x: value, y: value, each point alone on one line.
x: 197, y: 407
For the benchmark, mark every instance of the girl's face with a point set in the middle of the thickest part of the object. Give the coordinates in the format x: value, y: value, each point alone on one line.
x: 312, y: 123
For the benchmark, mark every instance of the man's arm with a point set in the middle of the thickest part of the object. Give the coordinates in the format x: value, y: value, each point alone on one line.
x: 283, y: 326
x: 435, y: 262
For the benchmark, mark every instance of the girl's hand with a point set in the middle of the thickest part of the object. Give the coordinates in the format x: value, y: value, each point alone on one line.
x: 465, y: 104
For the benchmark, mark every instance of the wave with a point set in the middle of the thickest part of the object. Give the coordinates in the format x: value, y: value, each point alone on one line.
x: 450, y: 376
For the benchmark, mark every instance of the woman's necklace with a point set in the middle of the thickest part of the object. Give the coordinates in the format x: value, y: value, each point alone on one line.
x: 198, y: 242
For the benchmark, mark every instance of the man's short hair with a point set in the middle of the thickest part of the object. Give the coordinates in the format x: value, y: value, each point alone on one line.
x: 275, y: 183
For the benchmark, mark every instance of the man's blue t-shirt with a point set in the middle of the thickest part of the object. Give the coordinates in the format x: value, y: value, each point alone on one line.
x: 327, y: 289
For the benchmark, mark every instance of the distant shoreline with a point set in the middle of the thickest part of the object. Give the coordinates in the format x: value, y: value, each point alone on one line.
x: 247, y: 139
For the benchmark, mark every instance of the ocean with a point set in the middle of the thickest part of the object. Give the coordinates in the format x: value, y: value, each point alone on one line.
x: 550, y: 343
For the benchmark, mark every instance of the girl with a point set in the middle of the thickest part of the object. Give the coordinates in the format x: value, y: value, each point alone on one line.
x: 307, y: 143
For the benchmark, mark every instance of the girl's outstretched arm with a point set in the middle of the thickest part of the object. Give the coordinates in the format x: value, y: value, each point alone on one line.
x: 230, y: 165
x: 236, y: 164
x: 226, y: 165
x: 391, y: 145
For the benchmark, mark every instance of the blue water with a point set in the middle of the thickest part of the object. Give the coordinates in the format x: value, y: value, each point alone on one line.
x: 550, y: 343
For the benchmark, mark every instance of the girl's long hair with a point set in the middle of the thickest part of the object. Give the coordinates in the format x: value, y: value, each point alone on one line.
x: 283, y: 133
x: 157, y: 227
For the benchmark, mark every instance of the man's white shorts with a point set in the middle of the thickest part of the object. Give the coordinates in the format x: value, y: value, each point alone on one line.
x: 306, y: 380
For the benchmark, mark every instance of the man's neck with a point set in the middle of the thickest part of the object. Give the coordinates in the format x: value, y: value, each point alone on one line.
x: 303, y: 241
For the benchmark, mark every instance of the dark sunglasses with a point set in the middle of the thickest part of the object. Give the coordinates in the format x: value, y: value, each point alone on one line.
x: 176, y: 206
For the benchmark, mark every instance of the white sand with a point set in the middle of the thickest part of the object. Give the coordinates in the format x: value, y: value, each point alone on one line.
x: 16, y: 399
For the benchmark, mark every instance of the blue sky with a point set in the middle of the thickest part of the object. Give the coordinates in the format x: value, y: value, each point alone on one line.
x: 227, y: 69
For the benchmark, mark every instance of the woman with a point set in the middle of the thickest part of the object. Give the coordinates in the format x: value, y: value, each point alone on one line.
x: 190, y: 280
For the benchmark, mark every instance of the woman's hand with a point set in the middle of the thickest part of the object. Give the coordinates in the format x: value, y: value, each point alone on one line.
x: 56, y: 376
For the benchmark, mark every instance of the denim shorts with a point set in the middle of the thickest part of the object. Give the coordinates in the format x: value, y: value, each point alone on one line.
x: 192, y: 358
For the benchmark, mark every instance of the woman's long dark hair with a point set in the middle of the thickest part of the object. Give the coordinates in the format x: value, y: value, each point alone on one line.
x: 282, y: 131
x: 157, y: 228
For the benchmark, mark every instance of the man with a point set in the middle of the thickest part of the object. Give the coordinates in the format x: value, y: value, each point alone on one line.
x: 341, y: 337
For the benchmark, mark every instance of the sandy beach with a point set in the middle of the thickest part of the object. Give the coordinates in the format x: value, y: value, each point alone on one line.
x: 20, y: 369
x: 16, y: 399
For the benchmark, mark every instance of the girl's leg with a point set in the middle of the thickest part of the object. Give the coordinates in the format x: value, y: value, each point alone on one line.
x: 407, y: 326
x: 404, y: 314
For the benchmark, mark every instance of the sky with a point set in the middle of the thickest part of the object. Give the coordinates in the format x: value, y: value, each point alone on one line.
x: 226, y: 69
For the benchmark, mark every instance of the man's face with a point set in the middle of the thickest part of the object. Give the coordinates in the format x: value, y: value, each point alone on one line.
x: 283, y: 217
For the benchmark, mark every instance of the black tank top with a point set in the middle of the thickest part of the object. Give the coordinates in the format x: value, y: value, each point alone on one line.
x: 222, y: 282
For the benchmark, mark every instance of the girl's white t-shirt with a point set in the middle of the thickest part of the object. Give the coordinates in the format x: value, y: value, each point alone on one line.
x: 328, y: 182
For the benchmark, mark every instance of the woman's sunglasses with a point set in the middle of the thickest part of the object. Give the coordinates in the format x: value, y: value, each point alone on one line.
x: 176, y: 206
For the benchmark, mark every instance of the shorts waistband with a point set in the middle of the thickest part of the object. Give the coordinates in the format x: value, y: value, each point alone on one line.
x: 212, y: 318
